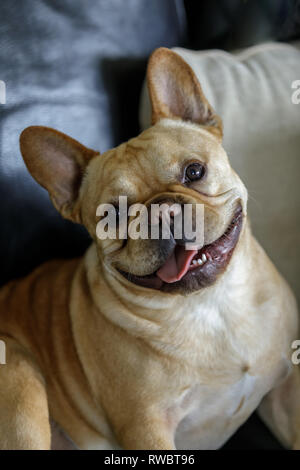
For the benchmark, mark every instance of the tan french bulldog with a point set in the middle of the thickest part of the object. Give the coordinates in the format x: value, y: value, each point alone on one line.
x: 143, y: 344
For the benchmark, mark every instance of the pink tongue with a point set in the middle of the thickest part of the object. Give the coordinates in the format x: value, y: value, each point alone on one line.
x: 176, y: 265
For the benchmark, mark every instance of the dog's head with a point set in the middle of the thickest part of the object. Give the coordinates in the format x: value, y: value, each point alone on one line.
x: 180, y: 159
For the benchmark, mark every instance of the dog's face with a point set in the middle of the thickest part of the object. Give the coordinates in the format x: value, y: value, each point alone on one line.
x: 180, y: 159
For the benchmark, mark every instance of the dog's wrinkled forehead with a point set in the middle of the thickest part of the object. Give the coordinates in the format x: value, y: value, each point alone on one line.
x: 157, y: 159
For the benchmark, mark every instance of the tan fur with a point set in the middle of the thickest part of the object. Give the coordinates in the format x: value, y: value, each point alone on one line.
x: 122, y: 366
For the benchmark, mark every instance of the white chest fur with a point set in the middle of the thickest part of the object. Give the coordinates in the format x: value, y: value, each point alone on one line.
x: 213, y: 414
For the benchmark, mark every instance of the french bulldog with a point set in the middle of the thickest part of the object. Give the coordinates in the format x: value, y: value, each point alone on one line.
x: 143, y: 344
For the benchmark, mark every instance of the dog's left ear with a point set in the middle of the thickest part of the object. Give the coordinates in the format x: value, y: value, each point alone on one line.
x: 175, y: 92
x: 57, y: 162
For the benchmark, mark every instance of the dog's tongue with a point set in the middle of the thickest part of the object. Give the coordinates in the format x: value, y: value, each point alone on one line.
x: 176, y: 265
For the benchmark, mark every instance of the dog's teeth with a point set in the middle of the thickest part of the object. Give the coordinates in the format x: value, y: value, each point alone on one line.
x: 200, y: 261
x: 194, y: 261
x: 204, y: 259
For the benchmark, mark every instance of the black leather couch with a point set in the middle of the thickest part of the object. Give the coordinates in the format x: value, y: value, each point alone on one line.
x: 78, y: 66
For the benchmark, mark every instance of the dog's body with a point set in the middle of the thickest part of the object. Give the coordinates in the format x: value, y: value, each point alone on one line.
x: 176, y: 364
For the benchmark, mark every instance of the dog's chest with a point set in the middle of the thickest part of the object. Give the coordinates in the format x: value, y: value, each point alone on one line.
x: 212, y: 414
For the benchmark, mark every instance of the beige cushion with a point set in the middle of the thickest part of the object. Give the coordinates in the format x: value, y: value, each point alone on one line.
x: 251, y: 90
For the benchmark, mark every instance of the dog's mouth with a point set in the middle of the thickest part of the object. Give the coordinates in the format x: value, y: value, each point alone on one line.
x: 190, y: 270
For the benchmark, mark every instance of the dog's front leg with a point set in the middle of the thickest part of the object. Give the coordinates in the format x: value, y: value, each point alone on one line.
x: 146, y: 433
x: 24, y: 420
x: 280, y: 410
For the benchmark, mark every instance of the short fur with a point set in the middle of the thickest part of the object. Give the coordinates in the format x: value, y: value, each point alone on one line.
x: 117, y: 365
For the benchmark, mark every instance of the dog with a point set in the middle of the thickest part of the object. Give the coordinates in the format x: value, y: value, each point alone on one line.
x: 142, y: 344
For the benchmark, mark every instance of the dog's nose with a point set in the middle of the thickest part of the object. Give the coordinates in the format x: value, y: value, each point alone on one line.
x: 168, y: 217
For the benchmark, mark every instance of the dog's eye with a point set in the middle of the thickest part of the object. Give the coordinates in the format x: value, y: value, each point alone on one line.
x: 194, y: 172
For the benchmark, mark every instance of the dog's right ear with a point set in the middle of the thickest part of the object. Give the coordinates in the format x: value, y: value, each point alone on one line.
x: 57, y: 162
x: 175, y: 92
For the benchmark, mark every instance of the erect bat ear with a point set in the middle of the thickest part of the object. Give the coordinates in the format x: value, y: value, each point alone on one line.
x: 175, y: 92
x: 57, y: 162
